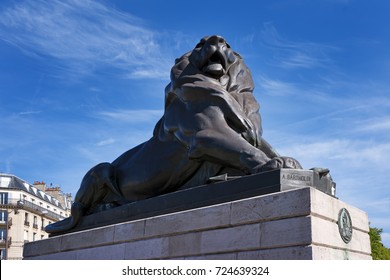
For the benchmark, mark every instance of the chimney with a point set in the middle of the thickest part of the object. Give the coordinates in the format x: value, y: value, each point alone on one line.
x: 40, y: 185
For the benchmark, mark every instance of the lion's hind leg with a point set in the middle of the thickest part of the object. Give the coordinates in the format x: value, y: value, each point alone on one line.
x: 97, y: 184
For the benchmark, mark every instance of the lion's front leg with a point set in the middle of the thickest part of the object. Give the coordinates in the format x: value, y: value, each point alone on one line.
x: 279, y: 162
x: 213, y: 140
x: 217, y: 142
x: 228, y: 149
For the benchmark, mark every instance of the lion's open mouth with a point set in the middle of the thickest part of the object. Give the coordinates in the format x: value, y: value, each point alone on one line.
x: 215, y: 65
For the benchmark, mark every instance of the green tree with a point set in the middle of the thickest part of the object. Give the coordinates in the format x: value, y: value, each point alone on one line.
x: 378, y: 251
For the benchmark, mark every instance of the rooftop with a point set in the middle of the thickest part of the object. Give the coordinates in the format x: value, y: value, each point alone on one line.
x: 11, y: 181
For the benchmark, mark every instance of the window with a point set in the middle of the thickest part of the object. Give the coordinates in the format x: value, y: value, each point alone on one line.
x: 3, y: 216
x: 43, y: 223
x: 2, y: 254
x: 3, y: 198
x: 26, y: 222
x: 3, y: 234
x: 26, y: 236
x: 35, y: 224
x: 34, y: 236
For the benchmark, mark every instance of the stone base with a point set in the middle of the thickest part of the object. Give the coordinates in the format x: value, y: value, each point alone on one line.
x: 296, y: 224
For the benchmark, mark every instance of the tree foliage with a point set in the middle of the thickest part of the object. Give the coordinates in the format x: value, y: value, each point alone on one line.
x: 378, y: 251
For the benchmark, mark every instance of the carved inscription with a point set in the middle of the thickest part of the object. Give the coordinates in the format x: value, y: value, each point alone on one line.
x: 297, y: 177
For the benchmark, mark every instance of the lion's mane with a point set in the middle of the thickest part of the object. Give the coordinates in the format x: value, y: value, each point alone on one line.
x: 233, y: 92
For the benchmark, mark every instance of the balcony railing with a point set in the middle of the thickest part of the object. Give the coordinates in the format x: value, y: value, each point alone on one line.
x: 27, y: 223
x: 4, y: 242
x: 6, y: 223
x: 24, y: 204
x: 35, y: 226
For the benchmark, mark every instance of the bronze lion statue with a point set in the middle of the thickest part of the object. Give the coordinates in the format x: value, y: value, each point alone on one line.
x: 211, y: 126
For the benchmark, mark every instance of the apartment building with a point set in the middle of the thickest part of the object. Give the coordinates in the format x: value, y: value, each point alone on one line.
x: 25, y: 210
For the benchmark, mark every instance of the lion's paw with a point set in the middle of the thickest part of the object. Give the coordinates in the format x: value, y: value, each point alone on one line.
x: 279, y: 162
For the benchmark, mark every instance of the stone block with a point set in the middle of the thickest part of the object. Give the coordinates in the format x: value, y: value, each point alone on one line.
x: 287, y: 253
x: 286, y: 232
x: 326, y: 253
x: 88, y: 238
x: 328, y: 207
x: 185, y: 221
x: 326, y: 233
x: 228, y: 256
x: 45, y: 246
x: 185, y: 244
x: 281, y: 205
x: 244, y: 237
x: 110, y: 252
x: 129, y: 231
x: 153, y: 248
x: 70, y: 255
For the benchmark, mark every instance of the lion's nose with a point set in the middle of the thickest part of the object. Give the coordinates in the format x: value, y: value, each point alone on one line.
x: 216, y: 40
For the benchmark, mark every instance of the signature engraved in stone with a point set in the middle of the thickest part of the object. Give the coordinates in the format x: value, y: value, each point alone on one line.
x: 296, y: 177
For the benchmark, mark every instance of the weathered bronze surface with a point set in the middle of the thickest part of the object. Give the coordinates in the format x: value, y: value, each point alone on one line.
x: 211, y: 126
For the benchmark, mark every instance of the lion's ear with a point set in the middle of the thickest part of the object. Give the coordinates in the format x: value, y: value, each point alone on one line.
x: 237, y: 55
x: 169, y: 97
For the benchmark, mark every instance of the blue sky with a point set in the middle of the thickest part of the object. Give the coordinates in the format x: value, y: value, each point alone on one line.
x: 83, y: 81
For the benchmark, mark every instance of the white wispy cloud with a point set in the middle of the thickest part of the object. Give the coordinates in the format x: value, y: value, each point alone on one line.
x: 352, y: 153
x: 375, y: 125
x: 29, y: 113
x: 280, y: 87
x: 106, y: 142
x: 119, y: 140
x: 381, y: 205
x: 131, y: 116
x: 84, y: 36
x: 276, y: 87
x: 296, y: 54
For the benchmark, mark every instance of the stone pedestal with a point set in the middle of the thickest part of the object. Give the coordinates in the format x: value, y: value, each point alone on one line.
x: 300, y: 223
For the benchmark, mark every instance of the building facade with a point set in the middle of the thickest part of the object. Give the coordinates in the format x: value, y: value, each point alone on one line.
x: 25, y: 210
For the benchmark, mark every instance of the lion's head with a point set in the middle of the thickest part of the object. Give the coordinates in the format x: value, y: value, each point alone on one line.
x: 213, y: 56
x: 213, y: 59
